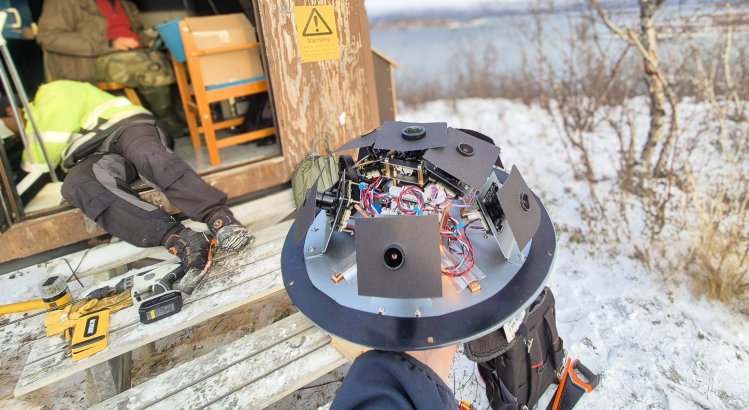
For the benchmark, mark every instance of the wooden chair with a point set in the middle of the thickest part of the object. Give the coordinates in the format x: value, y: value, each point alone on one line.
x: 196, y: 98
x: 129, y: 92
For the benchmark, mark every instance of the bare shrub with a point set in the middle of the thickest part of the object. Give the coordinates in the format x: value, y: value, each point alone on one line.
x: 415, y: 90
x: 719, y: 255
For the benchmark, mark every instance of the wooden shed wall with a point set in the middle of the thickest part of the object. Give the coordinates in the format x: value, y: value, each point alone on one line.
x: 332, y: 99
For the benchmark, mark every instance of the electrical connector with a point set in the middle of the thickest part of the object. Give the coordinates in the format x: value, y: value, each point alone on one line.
x: 337, y: 277
x: 474, y: 286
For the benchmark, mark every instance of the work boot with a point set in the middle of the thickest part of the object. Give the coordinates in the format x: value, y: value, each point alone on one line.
x: 193, y: 249
x: 159, y: 102
x: 230, y: 234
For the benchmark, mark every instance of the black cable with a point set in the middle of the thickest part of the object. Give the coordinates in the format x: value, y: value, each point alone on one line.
x: 73, y: 271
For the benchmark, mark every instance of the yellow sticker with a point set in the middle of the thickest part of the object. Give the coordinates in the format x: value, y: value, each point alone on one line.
x: 318, y: 35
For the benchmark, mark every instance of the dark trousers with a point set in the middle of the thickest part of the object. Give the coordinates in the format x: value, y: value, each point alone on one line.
x: 100, y: 186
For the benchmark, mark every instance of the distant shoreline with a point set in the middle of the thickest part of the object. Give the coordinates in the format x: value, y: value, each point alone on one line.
x: 454, y: 20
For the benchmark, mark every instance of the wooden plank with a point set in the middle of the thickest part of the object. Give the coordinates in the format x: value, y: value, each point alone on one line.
x: 224, y: 49
x: 244, y: 137
x: 263, y: 259
x: 209, y: 364
x: 234, y: 282
x: 386, y: 100
x: 221, y: 94
x: 283, y: 381
x: 333, y: 99
x: 59, y: 366
x: 249, y: 370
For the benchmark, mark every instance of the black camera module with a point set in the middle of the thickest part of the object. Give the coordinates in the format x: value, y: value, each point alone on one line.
x: 413, y: 132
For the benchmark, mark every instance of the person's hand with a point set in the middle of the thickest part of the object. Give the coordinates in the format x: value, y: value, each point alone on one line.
x: 125, y: 43
x: 440, y: 360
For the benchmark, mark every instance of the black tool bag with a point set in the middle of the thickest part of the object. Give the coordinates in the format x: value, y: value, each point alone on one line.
x: 517, y: 372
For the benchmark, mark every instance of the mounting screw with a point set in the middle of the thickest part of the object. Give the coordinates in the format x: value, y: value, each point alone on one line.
x: 311, y: 249
x: 417, y: 313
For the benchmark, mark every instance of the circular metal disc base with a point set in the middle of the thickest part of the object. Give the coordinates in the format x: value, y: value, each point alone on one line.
x: 416, y: 333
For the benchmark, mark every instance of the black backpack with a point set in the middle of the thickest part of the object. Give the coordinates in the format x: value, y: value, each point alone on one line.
x: 518, y: 371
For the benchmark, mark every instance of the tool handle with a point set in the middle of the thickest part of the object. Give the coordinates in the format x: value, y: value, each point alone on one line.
x: 22, y: 306
x: 593, y: 379
x: 166, y: 283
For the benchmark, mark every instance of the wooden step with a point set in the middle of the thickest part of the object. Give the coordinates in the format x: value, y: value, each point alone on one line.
x: 252, y: 372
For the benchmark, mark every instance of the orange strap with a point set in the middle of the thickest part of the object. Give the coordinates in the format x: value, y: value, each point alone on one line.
x: 560, y: 390
x: 465, y: 405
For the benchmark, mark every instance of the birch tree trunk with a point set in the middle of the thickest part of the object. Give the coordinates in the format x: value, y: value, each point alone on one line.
x: 656, y: 91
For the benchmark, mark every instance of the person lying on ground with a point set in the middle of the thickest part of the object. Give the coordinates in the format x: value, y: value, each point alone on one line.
x: 106, y: 143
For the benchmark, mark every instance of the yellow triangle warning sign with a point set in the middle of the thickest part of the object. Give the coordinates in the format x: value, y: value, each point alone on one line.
x: 317, y: 33
x: 316, y: 25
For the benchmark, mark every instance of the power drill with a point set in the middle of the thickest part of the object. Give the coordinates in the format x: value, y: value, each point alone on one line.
x: 151, y: 291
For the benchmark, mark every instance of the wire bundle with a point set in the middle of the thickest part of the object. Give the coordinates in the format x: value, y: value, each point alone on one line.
x: 458, y: 250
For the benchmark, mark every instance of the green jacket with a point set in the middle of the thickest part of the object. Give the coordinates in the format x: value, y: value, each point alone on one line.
x: 73, y: 34
x: 68, y: 114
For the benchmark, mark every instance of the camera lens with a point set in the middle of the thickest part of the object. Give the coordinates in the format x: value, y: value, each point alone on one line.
x: 393, y: 257
x: 465, y: 149
x: 413, y: 132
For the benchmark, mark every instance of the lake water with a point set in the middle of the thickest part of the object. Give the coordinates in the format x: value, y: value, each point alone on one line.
x: 436, y: 52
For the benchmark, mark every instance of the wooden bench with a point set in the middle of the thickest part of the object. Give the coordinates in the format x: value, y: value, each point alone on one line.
x: 255, y: 370
x: 251, y: 372
x: 258, y: 214
x: 246, y: 278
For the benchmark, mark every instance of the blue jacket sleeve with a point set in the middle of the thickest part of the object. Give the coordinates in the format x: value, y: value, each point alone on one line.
x: 392, y: 380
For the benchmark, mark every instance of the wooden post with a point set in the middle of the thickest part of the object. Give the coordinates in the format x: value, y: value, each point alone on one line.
x: 108, y: 379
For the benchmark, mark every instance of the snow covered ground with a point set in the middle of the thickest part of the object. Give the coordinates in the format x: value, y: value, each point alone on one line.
x: 656, y: 346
